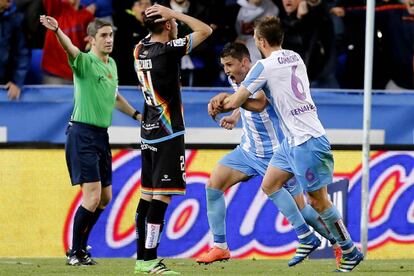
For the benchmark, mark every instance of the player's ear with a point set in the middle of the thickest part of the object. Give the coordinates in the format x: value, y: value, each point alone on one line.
x: 264, y: 43
x: 167, y: 25
x: 245, y: 61
x: 90, y: 40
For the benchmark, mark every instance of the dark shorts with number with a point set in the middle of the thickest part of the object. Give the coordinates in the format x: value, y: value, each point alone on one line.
x: 88, y: 154
x: 163, y: 167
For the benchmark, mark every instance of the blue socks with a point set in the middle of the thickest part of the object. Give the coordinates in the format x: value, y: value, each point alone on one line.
x: 333, y: 221
x: 216, y: 213
x: 313, y: 219
x: 287, y: 206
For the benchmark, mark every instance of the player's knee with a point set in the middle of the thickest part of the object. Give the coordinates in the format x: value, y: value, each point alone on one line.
x: 316, y: 205
x: 214, y: 185
x: 217, y: 185
x: 91, y: 202
x: 163, y: 198
x: 270, y: 188
x: 320, y: 205
x: 319, y: 200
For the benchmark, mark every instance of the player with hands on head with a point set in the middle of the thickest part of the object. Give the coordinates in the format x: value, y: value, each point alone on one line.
x: 88, y: 154
x: 157, y: 64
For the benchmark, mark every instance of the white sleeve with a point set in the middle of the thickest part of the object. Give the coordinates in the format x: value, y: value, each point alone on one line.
x: 255, y: 79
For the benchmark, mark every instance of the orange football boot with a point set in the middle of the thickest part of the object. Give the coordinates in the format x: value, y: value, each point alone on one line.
x: 214, y: 254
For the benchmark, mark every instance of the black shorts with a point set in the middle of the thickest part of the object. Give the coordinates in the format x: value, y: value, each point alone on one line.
x: 163, y: 167
x: 88, y: 155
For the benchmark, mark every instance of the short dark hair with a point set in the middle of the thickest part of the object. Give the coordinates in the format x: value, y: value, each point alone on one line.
x: 235, y: 50
x: 95, y: 25
x: 269, y: 28
x: 151, y: 25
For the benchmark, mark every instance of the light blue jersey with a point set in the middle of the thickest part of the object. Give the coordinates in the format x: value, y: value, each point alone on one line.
x: 261, y: 132
x: 261, y: 138
x: 305, y: 150
x: 283, y: 78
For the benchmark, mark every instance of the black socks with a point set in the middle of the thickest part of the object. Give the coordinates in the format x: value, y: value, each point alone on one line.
x: 92, y: 222
x: 140, y: 219
x: 81, y: 222
x: 155, y: 223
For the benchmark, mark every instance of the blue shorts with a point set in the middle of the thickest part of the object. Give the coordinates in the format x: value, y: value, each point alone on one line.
x: 311, y: 162
x: 88, y: 154
x: 245, y: 162
x: 251, y: 165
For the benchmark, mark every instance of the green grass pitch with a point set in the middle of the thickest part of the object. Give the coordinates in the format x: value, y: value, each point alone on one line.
x: 49, y: 266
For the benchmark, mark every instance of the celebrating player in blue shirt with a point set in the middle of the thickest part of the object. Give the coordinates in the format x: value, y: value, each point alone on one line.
x: 261, y: 136
x: 305, y: 151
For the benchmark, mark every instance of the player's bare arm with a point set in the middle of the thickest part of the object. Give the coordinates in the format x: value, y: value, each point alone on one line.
x: 220, y: 103
x: 125, y: 107
x: 52, y: 24
x: 215, y: 103
x: 235, y: 100
x: 200, y: 30
x: 257, y: 104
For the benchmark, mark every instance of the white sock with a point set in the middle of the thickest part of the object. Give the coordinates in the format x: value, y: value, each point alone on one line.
x: 222, y: 245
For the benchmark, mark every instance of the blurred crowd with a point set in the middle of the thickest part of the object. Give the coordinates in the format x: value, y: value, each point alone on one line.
x: 328, y: 34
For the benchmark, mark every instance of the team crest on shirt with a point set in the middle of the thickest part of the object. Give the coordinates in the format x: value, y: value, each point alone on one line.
x: 179, y: 42
x: 110, y: 76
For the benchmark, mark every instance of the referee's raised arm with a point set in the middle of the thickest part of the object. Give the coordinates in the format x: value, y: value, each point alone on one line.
x: 200, y: 30
x: 52, y: 24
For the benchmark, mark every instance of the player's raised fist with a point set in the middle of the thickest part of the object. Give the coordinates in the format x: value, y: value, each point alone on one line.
x: 228, y: 122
